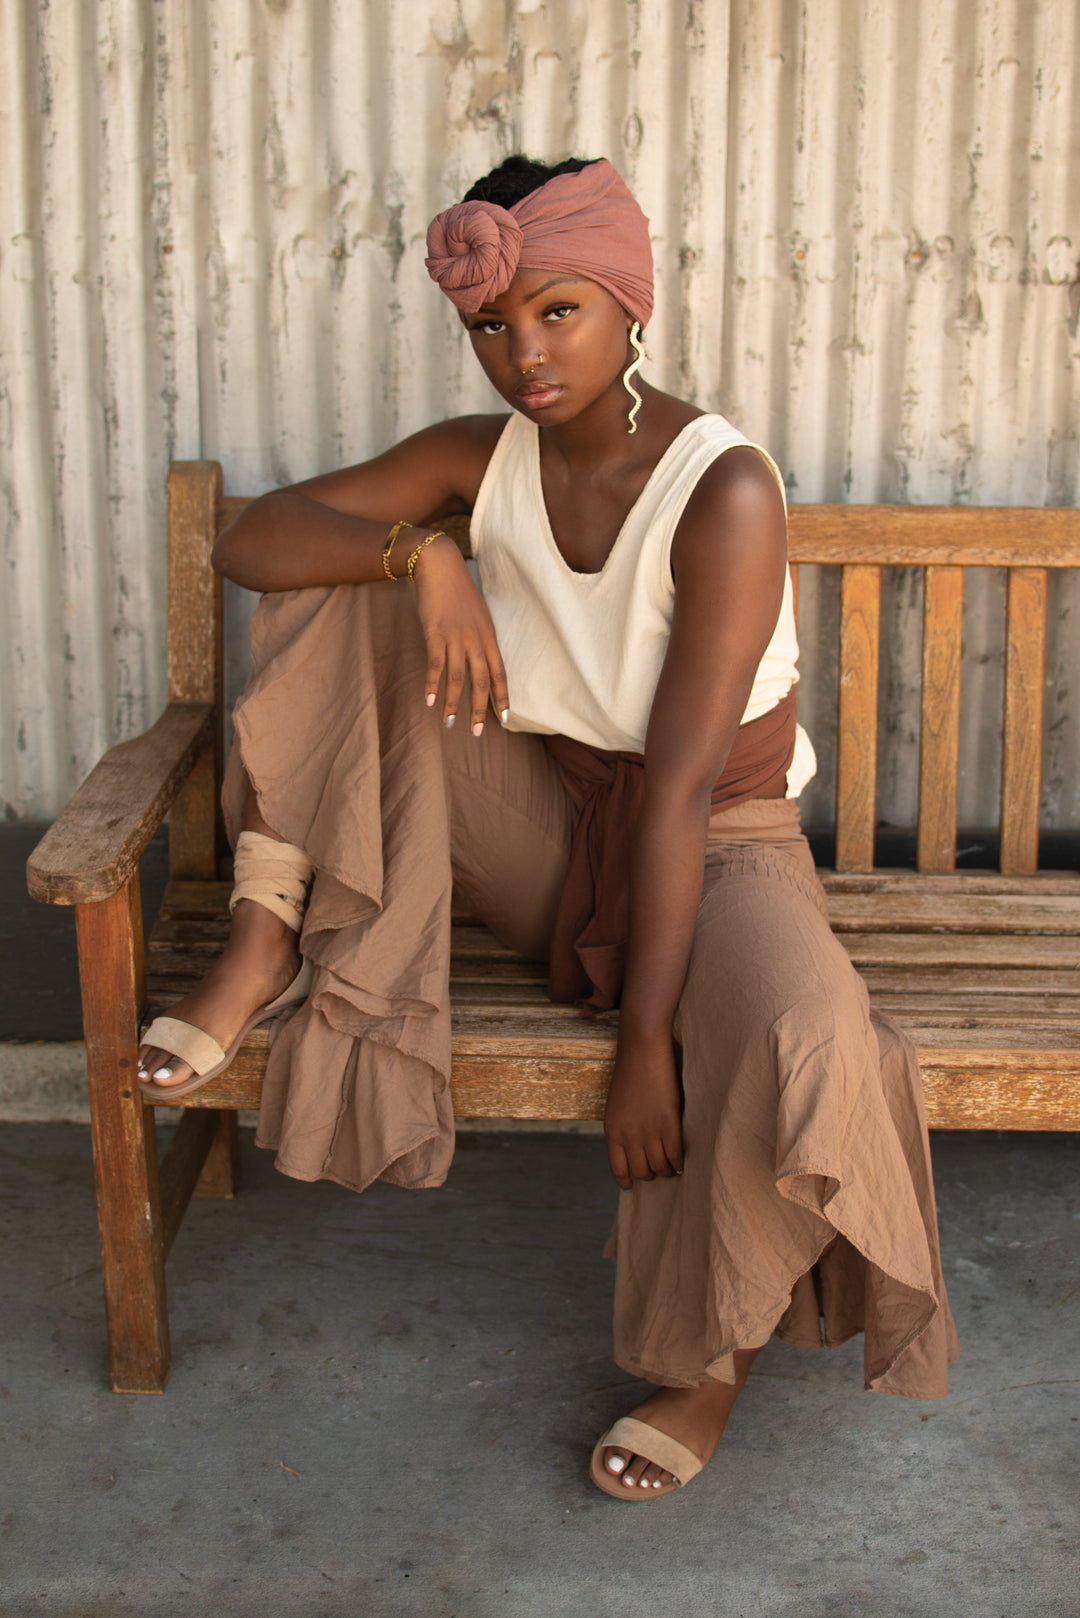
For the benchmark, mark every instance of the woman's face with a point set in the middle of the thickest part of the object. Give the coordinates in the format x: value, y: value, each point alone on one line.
x: 552, y: 344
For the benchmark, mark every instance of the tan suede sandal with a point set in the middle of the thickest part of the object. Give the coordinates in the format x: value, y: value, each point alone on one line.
x: 660, y: 1448
x: 200, y: 1051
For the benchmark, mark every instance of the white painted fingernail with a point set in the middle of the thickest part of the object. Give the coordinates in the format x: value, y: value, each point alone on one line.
x: 430, y: 699
x: 163, y: 1073
x: 505, y: 716
x: 478, y: 729
x: 616, y: 1463
x: 450, y: 721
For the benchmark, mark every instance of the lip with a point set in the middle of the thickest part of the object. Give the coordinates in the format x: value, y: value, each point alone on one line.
x: 536, y: 395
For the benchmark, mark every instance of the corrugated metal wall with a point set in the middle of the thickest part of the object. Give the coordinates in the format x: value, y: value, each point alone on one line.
x: 867, y: 231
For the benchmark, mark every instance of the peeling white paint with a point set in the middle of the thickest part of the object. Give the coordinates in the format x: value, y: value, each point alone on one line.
x: 866, y: 217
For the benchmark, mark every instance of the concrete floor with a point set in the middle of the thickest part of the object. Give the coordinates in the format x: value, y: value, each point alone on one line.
x: 383, y: 1405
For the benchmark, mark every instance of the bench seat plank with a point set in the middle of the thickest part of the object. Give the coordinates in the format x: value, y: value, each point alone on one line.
x: 991, y: 951
x: 884, y: 880
x: 954, y: 913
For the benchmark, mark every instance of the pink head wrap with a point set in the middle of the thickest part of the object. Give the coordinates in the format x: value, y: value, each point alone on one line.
x: 586, y: 223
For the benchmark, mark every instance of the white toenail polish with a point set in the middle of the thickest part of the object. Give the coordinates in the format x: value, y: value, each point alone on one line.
x: 163, y: 1073
x: 615, y: 1463
x: 644, y: 1482
x: 656, y: 1483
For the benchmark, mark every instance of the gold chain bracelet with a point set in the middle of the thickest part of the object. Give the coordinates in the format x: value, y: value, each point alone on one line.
x: 402, y: 522
x: 438, y: 534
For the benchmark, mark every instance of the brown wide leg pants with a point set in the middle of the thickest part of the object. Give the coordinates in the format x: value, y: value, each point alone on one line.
x: 806, y: 1206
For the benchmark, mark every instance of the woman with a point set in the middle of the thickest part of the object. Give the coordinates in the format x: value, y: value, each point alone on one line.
x: 629, y: 812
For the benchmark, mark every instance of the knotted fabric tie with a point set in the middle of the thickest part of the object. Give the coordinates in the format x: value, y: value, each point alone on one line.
x: 592, y: 924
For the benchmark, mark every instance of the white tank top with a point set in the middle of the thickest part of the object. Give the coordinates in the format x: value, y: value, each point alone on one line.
x: 583, y: 651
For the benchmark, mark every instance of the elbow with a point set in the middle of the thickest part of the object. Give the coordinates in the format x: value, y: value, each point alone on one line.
x: 238, y: 548
x: 227, y: 553
x: 221, y: 559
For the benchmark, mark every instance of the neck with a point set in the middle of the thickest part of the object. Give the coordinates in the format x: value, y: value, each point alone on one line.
x: 599, y: 436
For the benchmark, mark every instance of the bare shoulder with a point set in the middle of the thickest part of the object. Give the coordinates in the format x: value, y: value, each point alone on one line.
x: 736, y: 507
x: 740, y: 479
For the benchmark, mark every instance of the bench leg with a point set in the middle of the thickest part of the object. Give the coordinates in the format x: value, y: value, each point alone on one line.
x: 220, y: 1175
x: 125, y: 1154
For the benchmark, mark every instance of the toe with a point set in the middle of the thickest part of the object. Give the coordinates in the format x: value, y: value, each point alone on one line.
x: 161, y: 1068
x: 616, y: 1460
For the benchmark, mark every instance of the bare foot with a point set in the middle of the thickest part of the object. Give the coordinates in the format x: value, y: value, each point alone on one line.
x: 259, y: 962
x: 695, y: 1417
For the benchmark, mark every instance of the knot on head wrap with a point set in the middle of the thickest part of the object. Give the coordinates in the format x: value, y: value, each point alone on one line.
x: 586, y: 224
x: 475, y: 245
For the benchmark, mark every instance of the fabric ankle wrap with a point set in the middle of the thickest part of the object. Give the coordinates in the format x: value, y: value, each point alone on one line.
x: 275, y: 875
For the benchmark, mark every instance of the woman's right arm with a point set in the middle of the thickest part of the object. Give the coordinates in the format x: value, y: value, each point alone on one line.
x: 331, y: 530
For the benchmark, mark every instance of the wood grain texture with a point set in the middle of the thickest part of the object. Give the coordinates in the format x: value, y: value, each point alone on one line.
x: 193, y: 822
x: 883, y: 880
x: 220, y: 1177
x: 856, y: 742
x: 196, y: 653
x: 955, y: 913
x: 972, y: 1090
x: 969, y: 986
x: 91, y: 850
x: 1021, y: 755
x: 939, y: 745
x: 962, y: 949
x: 109, y: 935
x: 941, y: 536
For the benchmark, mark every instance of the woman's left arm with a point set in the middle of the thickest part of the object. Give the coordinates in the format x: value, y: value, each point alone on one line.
x: 728, y: 560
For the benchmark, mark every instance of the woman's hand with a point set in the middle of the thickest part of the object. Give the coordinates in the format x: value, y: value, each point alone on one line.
x: 643, y: 1118
x: 459, y: 634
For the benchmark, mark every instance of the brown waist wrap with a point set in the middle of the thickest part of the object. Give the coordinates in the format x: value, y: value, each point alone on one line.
x: 588, y: 943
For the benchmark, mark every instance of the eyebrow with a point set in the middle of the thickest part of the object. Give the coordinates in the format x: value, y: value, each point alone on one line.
x: 556, y: 281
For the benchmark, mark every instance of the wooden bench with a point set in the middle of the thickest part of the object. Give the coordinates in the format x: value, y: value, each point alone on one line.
x: 981, y: 968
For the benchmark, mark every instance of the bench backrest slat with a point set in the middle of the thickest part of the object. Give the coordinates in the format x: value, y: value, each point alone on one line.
x: 856, y: 739
x: 939, y: 736
x: 196, y: 661
x: 936, y: 536
x: 1021, y: 759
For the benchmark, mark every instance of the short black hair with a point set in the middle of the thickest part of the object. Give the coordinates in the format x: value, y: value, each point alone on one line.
x: 518, y: 176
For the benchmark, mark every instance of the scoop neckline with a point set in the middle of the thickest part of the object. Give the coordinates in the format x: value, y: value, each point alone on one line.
x: 541, y: 503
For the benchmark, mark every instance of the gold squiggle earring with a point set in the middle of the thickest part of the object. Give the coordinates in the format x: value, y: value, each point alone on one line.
x: 635, y: 364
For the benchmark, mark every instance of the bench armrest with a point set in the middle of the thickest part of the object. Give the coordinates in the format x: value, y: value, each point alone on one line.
x: 91, y: 849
